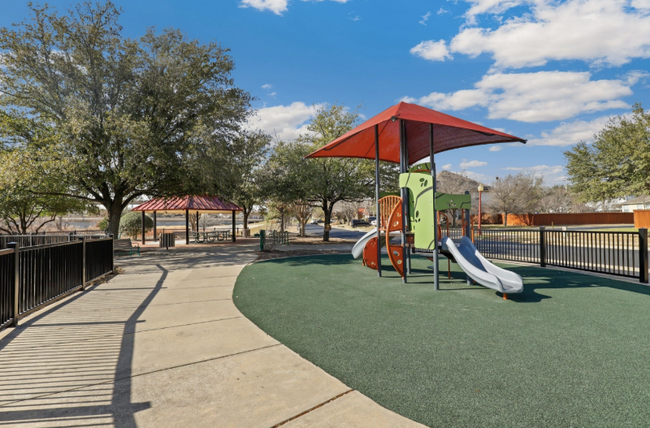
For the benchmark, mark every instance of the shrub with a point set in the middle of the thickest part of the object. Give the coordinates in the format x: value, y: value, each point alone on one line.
x: 131, y: 224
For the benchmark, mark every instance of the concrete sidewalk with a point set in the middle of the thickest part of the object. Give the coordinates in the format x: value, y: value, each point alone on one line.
x: 163, y: 345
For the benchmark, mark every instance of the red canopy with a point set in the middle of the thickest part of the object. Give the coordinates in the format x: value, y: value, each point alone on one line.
x: 192, y: 203
x: 449, y: 133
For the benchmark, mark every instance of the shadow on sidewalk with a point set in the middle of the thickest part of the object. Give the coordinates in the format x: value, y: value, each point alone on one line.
x: 72, y: 364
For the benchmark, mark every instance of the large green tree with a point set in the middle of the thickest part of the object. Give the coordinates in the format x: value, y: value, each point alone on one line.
x: 617, y: 163
x: 135, y: 115
x: 321, y: 182
x: 31, y: 184
x: 245, y: 155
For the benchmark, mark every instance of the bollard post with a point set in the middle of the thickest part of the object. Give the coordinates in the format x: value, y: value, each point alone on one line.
x: 542, y: 246
x: 16, y: 287
x: 643, y: 255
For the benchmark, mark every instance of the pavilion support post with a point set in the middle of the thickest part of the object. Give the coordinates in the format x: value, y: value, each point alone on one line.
x: 234, y: 226
x: 377, y: 213
x: 403, y: 167
x: 436, y: 278
x: 187, y: 227
x: 155, y: 226
x: 144, y: 240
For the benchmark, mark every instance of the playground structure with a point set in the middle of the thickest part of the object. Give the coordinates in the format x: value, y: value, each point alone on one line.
x: 406, y: 134
x: 420, y: 237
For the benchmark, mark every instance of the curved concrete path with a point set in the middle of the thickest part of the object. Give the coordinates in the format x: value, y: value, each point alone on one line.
x: 163, y: 345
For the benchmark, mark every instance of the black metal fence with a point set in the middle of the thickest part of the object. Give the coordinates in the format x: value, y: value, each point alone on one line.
x: 31, y: 240
x: 615, y: 253
x: 47, y: 273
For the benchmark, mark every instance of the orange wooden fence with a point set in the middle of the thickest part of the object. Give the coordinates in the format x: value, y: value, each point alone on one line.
x: 571, y: 219
x: 642, y: 218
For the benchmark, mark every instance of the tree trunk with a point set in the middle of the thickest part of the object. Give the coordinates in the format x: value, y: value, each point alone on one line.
x: 281, y: 221
x: 247, y: 212
x: 114, y: 209
x: 505, y: 220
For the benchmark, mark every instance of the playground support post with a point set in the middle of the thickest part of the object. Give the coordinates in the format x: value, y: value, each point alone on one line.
x: 155, y: 226
x: 234, y: 226
x: 436, y: 282
x: 643, y: 255
x: 143, y: 229
x: 403, y: 168
x: 377, y: 216
x: 468, y: 218
x: 187, y: 227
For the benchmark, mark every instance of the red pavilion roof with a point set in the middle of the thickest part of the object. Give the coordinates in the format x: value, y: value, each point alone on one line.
x: 192, y: 203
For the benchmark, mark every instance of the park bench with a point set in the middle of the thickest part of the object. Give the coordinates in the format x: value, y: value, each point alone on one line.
x: 125, y: 247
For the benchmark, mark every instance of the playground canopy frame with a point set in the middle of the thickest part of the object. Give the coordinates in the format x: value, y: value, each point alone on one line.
x: 407, y: 133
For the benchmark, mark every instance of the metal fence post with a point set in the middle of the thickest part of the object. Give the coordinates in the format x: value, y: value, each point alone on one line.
x: 643, y: 255
x: 83, y: 263
x: 542, y: 246
x: 16, y: 288
x: 112, y: 253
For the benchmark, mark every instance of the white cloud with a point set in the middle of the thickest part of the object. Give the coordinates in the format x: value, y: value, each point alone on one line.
x: 442, y: 11
x: 599, y: 32
x: 432, y: 50
x: 272, y: 94
x: 284, y: 122
x: 570, y: 133
x: 447, y: 167
x: 425, y: 18
x: 535, y: 97
x: 275, y: 6
x: 267, y: 86
x: 495, y: 148
x: 472, y: 164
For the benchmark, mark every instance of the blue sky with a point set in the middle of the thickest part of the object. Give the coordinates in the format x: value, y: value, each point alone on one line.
x: 550, y: 72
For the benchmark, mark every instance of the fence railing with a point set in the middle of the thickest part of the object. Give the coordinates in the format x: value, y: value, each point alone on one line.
x: 33, y: 277
x: 272, y: 237
x: 38, y: 239
x: 615, y: 253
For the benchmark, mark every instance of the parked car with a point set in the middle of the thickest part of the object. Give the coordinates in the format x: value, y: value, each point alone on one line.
x: 373, y: 220
x: 357, y: 223
x: 314, y: 221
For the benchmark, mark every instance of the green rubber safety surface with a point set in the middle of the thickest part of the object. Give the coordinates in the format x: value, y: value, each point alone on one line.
x: 573, y: 350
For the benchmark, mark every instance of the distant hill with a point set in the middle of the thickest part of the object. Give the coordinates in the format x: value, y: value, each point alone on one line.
x: 450, y: 182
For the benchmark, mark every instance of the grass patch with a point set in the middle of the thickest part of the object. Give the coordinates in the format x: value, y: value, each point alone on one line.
x: 570, y: 351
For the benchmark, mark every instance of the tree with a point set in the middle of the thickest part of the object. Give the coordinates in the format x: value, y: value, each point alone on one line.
x: 136, y: 116
x: 302, y: 211
x: 515, y: 194
x: 617, y: 163
x: 557, y: 199
x: 247, y: 154
x: 335, y: 179
x: 29, y: 183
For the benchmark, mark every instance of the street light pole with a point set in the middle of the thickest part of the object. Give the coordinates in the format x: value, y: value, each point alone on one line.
x: 480, y: 192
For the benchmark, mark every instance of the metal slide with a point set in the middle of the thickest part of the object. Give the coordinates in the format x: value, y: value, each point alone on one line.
x: 481, y: 270
x: 357, y: 250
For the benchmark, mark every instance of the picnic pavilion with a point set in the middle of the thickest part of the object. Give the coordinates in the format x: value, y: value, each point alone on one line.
x: 187, y: 204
